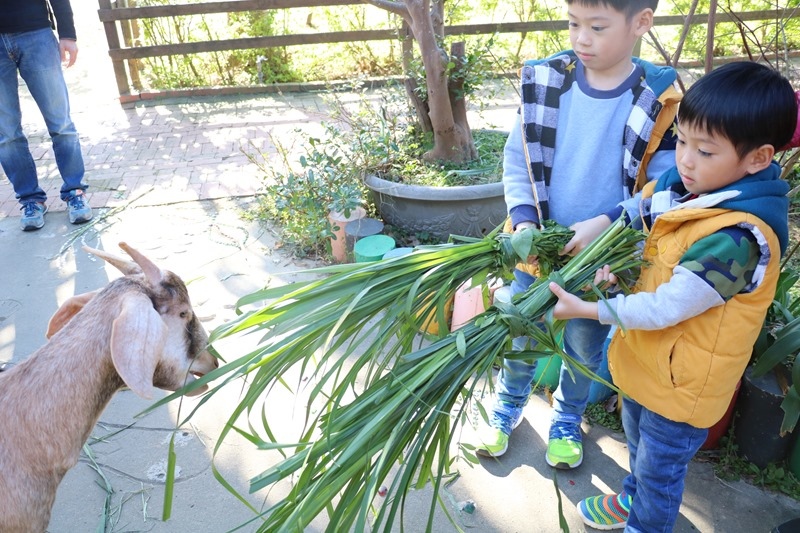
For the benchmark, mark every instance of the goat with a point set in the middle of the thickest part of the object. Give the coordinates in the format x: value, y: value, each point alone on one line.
x: 140, y: 331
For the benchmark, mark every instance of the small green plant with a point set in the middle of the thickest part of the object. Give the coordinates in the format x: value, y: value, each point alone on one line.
x: 729, y: 466
x: 374, y: 135
x: 779, y: 340
x: 299, y: 201
x: 604, y: 414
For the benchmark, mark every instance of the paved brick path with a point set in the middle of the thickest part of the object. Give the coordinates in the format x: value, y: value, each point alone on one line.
x: 168, y: 152
x: 159, y: 152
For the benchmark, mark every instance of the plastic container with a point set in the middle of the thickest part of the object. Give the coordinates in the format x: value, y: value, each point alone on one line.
x: 372, y: 248
x: 360, y: 229
x: 397, y: 252
x: 547, y: 372
x: 757, y: 428
x: 339, y: 223
x: 716, y: 432
x: 430, y: 325
x: 468, y: 302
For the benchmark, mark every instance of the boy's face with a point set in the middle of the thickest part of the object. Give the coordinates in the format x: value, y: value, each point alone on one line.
x: 603, y: 38
x: 707, y: 162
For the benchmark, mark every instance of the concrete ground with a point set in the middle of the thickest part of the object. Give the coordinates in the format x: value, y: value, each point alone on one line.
x: 119, y: 480
x: 170, y: 179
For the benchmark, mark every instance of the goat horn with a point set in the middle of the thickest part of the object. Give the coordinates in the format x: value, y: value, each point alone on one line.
x: 151, y: 272
x: 123, y: 265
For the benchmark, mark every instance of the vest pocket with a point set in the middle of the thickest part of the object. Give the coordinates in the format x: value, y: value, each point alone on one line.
x: 671, y: 358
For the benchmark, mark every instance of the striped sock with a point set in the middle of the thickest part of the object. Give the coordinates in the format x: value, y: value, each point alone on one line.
x: 605, y: 512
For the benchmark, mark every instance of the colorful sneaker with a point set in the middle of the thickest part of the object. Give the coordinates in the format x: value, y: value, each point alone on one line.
x: 493, y: 438
x: 79, y: 209
x: 565, y: 446
x: 32, y: 216
x: 605, y: 512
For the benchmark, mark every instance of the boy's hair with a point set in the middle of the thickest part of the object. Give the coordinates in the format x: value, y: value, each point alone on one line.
x: 747, y: 103
x: 628, y: 7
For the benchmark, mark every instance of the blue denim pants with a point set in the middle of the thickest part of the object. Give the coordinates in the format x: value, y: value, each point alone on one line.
x: 583, y: 340
x: 36, y: 56
x: 660, y: 451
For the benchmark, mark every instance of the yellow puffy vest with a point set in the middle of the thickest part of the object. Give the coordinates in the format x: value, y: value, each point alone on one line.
x: 688, y: 372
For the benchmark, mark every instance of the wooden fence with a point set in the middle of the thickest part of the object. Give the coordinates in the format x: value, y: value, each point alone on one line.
x: 116, y: 20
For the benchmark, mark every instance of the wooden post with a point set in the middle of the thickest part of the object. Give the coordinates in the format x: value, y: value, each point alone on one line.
x: 130, y: 33
x: 712, y: 21
x: 123, y: 86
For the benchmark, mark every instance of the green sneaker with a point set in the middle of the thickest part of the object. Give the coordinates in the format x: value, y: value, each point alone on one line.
x: 492, y: 439
x: 605, y: 512
x: 565, y: 446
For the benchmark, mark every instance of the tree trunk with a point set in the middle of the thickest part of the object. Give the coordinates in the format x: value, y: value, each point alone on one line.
x: 411, y: 85
x: 458, y: 100
x: 452, y: 137
x: 452, y: 142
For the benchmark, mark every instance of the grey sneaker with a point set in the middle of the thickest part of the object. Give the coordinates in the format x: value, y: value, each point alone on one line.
x: 79, y: 209
x: 32, y: 215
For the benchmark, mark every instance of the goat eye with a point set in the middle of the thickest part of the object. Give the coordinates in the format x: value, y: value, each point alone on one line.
x: 184, y: 314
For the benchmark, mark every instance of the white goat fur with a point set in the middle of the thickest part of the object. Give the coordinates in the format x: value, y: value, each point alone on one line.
x: 139, y: 331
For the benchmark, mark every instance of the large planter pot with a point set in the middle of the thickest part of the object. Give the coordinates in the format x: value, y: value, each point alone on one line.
x: 757, y: 428
x: 471, y: 211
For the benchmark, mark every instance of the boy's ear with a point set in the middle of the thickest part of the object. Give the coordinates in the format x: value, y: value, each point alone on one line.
x: 759, y: 158
x: 642, y: 22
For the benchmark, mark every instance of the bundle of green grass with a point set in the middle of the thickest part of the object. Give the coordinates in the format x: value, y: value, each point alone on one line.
x: 383, y: 404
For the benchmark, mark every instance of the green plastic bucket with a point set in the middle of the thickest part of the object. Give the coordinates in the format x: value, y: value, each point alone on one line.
x: 372, y: 248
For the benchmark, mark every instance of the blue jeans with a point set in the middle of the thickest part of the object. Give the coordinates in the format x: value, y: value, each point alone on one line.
x: 660, y: 451
x: 583, y: 340
x: 36, y: 56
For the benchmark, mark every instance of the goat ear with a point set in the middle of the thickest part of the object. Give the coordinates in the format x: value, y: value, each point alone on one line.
x: 138, y: 336
x: 68, y: 310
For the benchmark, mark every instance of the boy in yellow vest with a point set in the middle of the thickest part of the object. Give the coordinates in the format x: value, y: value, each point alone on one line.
x: 717, y: 225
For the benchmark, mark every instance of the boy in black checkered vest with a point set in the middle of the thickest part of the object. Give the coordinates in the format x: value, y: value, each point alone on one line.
x: 595, y: 124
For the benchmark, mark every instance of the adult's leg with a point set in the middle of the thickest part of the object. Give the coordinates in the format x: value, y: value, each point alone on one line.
x: 40, y: 67
x: 15, y: 156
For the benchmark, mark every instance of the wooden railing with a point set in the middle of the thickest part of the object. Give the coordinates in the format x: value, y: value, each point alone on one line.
x: 114, y: 19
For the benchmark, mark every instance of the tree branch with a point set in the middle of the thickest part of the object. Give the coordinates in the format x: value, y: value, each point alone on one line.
x: 398, y: 8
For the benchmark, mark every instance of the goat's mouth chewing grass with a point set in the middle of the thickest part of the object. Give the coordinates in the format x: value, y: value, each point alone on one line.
x: 382, y: 406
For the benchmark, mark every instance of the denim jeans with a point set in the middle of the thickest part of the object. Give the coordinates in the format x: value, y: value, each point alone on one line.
x: 36, y: 56
x: 583, y: 340
x: 660, y: 451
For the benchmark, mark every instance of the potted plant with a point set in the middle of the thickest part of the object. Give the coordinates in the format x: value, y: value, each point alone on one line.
x: 383, y: 144
x: 437, y: 85
x: 769, y: 401
x: 310, y: 201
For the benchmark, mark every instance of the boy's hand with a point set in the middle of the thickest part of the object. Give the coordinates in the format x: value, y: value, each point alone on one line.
x: 604, y: 278
x: 585, y: 232
x: 570, y: 306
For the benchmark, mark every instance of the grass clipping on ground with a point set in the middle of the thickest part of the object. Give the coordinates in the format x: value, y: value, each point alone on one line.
x: 382, y: 405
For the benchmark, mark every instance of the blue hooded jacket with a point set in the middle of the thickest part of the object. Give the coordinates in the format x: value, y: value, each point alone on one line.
x: 762, y: 194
